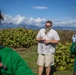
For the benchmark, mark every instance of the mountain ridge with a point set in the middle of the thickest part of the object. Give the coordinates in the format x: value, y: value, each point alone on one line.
x: 11, y: 25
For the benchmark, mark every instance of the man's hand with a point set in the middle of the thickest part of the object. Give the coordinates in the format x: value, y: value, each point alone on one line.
x: 51, y: 41
x: 47, y: 41
x: 39, y: 39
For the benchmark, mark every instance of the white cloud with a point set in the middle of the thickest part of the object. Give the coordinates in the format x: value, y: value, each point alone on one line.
x: 65, y: 23
x: 18, y: 19
x: 38, y: 21
x: 7, y: 18
x: 40, y: 7
x: 23, y: 20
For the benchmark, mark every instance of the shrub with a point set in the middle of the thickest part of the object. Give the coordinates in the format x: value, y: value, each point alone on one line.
x: 63, y: 59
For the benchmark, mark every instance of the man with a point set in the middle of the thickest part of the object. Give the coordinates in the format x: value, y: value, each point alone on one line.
x: 12, y: 64
x: 47, y: 39
x: 73, y: 51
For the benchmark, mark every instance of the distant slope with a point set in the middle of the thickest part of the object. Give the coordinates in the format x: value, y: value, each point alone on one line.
x: 11, y: 25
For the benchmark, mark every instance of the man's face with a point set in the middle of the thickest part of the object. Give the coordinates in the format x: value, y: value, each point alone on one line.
x: 48, y: 25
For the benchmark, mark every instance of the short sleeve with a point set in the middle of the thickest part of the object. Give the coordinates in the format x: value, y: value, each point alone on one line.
x: 39, y: 34
x: 56, y: 36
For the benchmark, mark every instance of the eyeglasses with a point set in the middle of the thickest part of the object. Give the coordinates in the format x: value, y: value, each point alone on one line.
x: 47, y: 26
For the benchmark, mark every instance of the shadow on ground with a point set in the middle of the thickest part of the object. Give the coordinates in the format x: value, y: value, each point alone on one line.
x: 53, y: 69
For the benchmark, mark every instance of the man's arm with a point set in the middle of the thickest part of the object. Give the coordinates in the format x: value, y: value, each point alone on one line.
x: 39, y: 39
x: 47, y: 41
x: 51, y: 41
x: 54, y: 41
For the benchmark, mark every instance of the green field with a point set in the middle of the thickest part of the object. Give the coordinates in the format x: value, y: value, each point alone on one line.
x: 30, y: 56
x: 23, y: 41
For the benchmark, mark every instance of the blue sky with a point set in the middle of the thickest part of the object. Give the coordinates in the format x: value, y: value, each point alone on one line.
x: 61, y: 12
